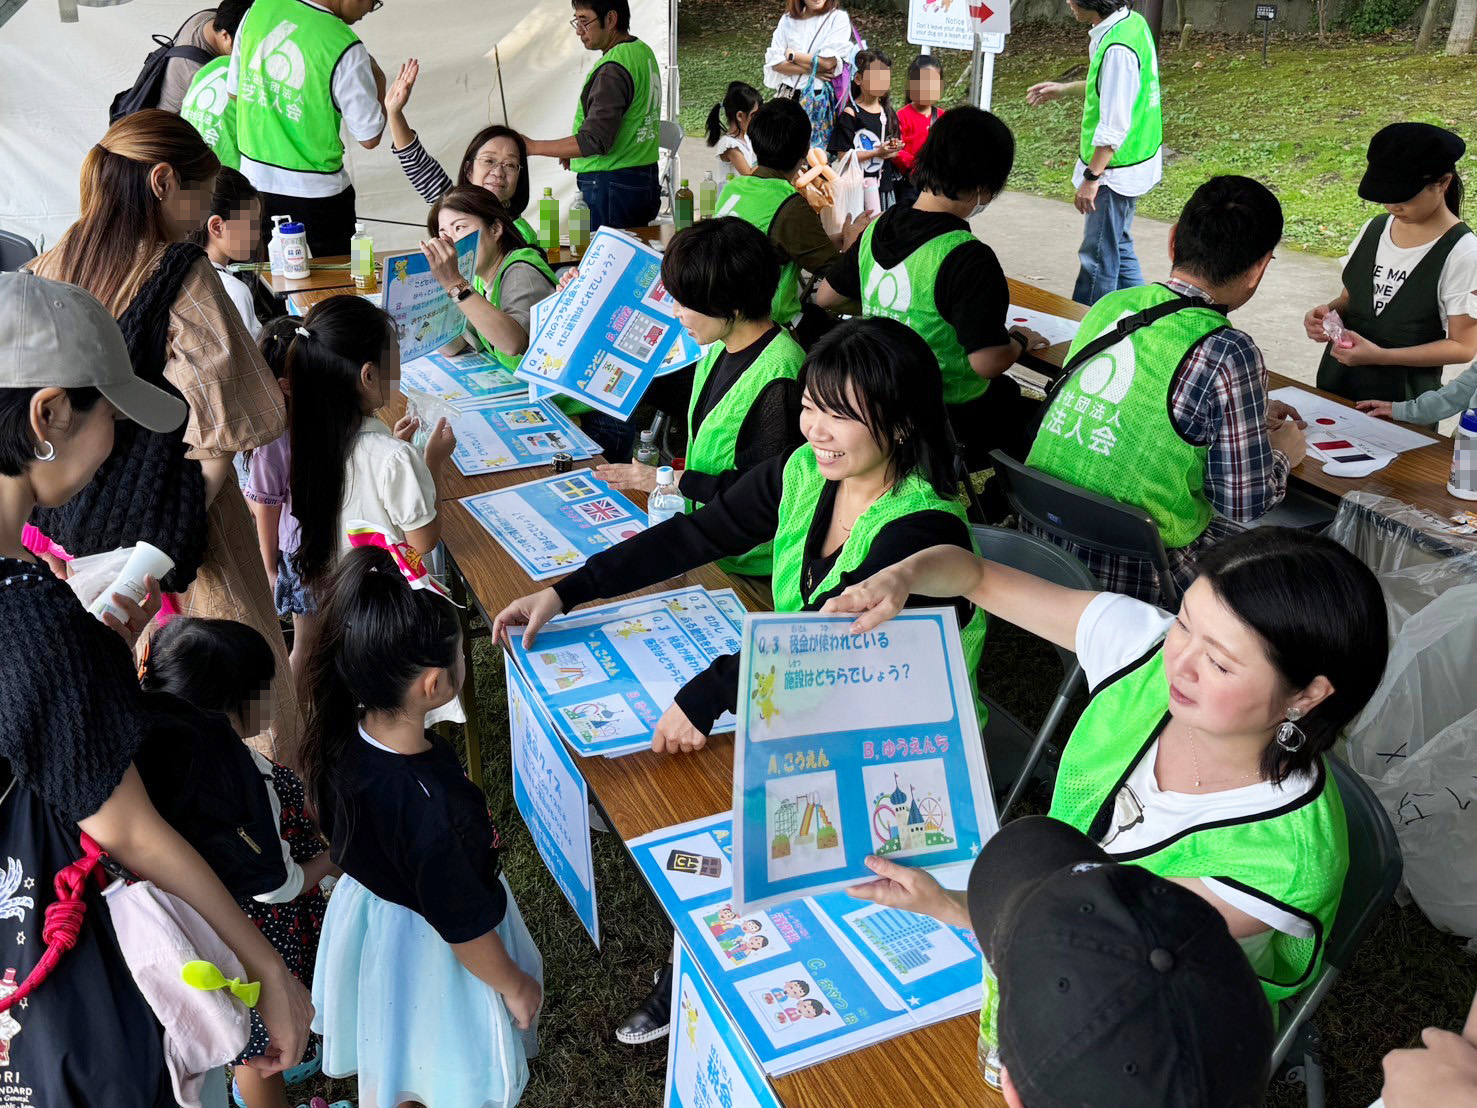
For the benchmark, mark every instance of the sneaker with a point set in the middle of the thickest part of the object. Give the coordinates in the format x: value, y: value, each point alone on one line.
x: 652, y: 1019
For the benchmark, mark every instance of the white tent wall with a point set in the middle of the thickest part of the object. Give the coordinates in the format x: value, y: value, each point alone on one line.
x: 56, y: 81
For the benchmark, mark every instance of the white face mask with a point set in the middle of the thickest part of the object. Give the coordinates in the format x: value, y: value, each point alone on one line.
x: 979, y: 207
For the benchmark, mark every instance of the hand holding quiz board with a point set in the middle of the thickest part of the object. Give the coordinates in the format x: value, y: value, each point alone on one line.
x: 425, y: 318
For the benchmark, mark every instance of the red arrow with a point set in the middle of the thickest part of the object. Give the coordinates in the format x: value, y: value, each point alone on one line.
x: 980, y: 12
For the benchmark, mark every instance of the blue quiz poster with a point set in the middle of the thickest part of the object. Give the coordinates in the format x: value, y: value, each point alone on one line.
x: 849, y: 745
x: 708, y: 1065
x: 553, y: 800
x: 550, y: 526
x: 426, y: 319
x: 468, y: 381
x: 515, y: 434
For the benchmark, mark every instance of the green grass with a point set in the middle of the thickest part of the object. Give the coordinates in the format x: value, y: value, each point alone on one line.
x: 1300, y: 125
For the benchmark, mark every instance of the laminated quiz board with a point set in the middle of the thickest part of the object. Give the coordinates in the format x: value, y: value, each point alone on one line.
x: 515, y: 434
x: 607, y: 335
x: 605, y: 675
x: 425, y: 318
x: 552, y: 798
x: 550, y: 526
x: 467, y: 381
x: 849, y: 745
x: 708, y: 1065
x: 806, y: 980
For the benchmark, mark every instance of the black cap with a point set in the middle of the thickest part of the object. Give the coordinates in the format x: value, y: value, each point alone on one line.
x: 1116, y: 986
x: 1406, y: 157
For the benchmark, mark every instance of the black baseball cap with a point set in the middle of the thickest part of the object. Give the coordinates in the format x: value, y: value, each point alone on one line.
x: 1406, y: 157
x: 1116, y: 986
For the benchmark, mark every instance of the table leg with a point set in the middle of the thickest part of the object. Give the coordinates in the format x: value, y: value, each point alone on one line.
x: 471, y: 729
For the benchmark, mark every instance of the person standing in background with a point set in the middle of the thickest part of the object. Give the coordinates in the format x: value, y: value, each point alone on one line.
x: 297, y: 72
x: 214, y: 31
x: 1119, y: 157
x: 812, y: 35
x: 204, y: 102
x: 614, y: 147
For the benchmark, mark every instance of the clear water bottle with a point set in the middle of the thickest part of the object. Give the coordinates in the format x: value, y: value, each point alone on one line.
x: 707, y: 197
x: 682, y: 207
x: 1463, y: 482
x: 665, y: 501
x: 579, y: 226
x: 646, y: 452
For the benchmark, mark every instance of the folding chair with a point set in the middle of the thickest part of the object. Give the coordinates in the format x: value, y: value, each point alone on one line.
x: 669, y: 138
x: 1005, y: 735
x: 15, y: 251
x: 1086, y: 518
x: 1375, y: 866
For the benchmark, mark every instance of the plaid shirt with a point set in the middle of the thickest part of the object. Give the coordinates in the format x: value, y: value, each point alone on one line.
x: 1218, y: 399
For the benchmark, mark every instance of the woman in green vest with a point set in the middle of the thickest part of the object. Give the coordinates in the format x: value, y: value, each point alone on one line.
x: 511, y: 276
x: 1408, y: 305
x: 745, y: 405
x: 872, y: 484
x: 1202, y: 753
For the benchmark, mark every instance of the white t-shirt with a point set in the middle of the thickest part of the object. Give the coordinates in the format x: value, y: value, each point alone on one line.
x: 824, y: 36
x: 1114, y: 632
x: 739, y: 143
x: 1457, y: 289
x: 1118, y: 88
x: 357, y: 99
x: 240, y: 294
x: 386, y: 484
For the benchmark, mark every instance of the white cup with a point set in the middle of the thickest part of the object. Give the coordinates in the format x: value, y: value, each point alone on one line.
x: 145, y: 561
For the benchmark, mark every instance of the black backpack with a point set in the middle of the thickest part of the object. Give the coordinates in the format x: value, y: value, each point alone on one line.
x: 146, y: 89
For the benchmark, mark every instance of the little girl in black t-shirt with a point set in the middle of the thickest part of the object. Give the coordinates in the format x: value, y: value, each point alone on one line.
x: 427, y: 983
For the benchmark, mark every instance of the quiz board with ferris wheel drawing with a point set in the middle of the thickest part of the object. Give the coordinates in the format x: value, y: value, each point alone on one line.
x: 853, y: 744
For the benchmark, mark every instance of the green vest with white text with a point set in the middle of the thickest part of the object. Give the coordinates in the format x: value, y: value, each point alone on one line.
x: 1146, y: 128
x: 756, y: 200
x: 636, y: 143
x: 212, y: 112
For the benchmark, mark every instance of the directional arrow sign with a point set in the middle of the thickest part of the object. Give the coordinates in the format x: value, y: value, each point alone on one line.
x: 992, y: 17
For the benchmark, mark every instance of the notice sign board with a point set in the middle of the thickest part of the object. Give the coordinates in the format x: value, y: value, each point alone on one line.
x: 1266, y: 11
x: 948, y: 24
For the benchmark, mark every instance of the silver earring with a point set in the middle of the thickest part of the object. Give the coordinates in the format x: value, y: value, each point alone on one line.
x: 1290, y: 736
x: 50, y: 451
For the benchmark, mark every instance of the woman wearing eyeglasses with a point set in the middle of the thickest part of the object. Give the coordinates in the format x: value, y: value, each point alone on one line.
x: 496, y: 159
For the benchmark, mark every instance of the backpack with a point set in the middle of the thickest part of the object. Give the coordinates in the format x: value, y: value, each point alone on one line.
x: 150, y: 81
x: 841, y: 83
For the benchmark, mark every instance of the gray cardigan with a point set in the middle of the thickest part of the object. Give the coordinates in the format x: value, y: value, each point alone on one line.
x: 1438, y: 404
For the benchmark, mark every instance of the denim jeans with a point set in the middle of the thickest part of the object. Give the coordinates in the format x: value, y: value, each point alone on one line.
x: 1106, y: 253
x: 615, y: 437
x: 621, y: 197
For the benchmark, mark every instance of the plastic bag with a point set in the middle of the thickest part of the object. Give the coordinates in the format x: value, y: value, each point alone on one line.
x: 428, y: 409
x: 847, y: 200
x: 89, y: 576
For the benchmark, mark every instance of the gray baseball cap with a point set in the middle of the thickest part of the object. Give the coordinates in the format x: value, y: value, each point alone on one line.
x: 55, y: 335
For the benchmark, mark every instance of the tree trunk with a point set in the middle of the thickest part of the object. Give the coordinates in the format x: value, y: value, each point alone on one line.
x: 1428, y: 26
x: 1463, y: 21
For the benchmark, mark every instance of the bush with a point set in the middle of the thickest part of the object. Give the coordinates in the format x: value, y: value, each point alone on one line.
x: 1375, y: 17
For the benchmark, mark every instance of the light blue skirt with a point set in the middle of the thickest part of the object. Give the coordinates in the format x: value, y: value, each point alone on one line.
x: 396, y: 1007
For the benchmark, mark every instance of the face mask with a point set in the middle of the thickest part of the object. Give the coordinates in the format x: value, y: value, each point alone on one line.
x: 979, y: 207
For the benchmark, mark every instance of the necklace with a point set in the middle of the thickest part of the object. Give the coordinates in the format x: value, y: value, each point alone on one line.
x: 1195, y: 761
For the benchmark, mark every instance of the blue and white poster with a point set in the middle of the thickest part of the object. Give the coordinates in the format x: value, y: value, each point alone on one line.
x: 708, y: 1065
x: 608, y: 334
x: 801, y: 981
x: 426, y: 319
x: 515, y: 434
x: 553, y: 800
x: 605, y: 675
x: 550, y: 526
x: 849, y: 745
x: 467, y: 381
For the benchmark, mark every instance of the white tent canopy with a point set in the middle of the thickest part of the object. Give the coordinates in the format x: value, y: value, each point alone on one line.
x: 56, y: 81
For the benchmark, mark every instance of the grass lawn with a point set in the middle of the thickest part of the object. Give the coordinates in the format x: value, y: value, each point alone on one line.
x: 1300, y: 125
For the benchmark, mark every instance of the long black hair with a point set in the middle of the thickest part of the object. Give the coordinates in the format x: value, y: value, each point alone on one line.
x: 882, y: 374
x: 519, y: 200
x: 740, y: 97
x: 323, y: 369
x: 275, y: 341
x: 480, y: 204
x: 218, y: 665
x: 1318, y: 610
x: 915, y: 73
x: 863, y: 59
x: 378, y: 635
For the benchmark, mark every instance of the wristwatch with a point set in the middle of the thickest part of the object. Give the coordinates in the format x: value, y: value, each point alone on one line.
x: 1089, y: 175
x: 460, y: 293
x: 790, y: 56
x: 1016, y: 336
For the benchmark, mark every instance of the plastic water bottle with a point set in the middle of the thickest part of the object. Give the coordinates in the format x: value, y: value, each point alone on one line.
x: 274, y: 246
x: 707, y: 197
x: 665, y: 501
x: 361, y: 259
x: 579, y: 226
x: 1463, y: 482
x: 682, y: 207
x: 646, y: 452
x: 548, y: 220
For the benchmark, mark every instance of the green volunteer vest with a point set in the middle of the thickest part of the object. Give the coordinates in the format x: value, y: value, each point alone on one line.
x: 212, y: 112
x: 1146, y: 128
x: 494, y: 296
x: 756, y: 200
x: 803, y: 483
x: 285, y: 113
x: 1411, y: 318
x: 525, y: 229
x: 1294, y: 857
x: 1108, y: 429
x: 712, y: 450
x: 905, y: 293
x: 636, y: 141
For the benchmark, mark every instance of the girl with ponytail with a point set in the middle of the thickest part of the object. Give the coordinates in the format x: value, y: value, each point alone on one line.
x: 423, y: 919
x: 731, y: 145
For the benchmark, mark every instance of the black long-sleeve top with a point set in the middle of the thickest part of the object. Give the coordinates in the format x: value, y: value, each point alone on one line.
x: 738, y: 519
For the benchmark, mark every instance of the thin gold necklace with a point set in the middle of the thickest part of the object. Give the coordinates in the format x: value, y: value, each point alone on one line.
x: 1195, y: 761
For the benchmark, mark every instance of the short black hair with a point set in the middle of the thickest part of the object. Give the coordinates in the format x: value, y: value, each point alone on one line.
x: 17, y: 445
x: 601, y: 8
x: 218, y: 665
x: 780, y: 135
x: 726, y: 268
x: 967, y: 150
x: 1101, y: 7
x: 229, y: 14
x: 1227, y: 226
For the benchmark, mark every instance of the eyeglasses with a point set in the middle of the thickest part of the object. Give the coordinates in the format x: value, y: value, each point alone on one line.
x: 506, y: 169
x: 376, y: 5
x: 580, y: 24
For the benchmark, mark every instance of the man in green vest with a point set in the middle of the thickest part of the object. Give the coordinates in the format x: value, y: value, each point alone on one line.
x: 614, y: 148
x: 298, y: 73
x: 207, y: 106
x: 1173, y: 415
x: 1118, y: 156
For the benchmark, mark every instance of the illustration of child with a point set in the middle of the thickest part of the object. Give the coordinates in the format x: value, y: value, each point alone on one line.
x: 742, y: 948
x: 752, y: 926
x: 806, y: 1009
x: 796, y: 989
